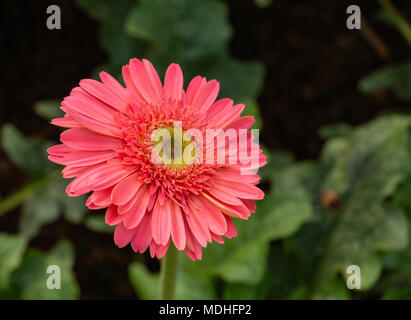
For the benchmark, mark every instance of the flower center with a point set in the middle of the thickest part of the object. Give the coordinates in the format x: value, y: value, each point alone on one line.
x: 173, y: 147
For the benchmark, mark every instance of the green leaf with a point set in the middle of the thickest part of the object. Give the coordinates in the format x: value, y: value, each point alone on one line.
x: 397, y: 294
x: 238, y: 266
x: 27, y: 153
x: 375, y: 166
x: 181, y: 30
x: 107, y: 10
x: 48, y: 109
x: 30, y: 278
x: 119, y: 45
x: 47, y: 205
x: 399, y: 262
x: 334, y: 289
x: 334, y: 130
x: 25, y: 193
x: 195, y: 34
x: 283, y: 219
x: 391, y: 233
x: 11, y: 252
x: 241, y: 81
x: 40, y: 209
x: 397, y: 19
x: 97, y: 223
x: 143, y: 281
x: 240, y: 291
x: 244, y: 259
x: 363, y: 167
x: 194, y: 283
x: 73, y: 208
x: 396, y: 77
x: 276, y: 161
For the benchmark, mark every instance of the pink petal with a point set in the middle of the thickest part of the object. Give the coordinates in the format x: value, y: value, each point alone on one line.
x: 127, y: 207
x: 99, y: 199
x: 161, y: 222
x: 234, y: 175
x: 85, y: 104
x: 152, y: 201
x: 71, y: 172
x: 130, y: 83
x: 249, y: 204
x: 242, y: 123
x: 103, y: 93
x: 220, y: 107
x: 193, y: 248
x: 84, y: 139
x: 66, y: 122
x: 142, y: 237
x: 79, y: 185
x: 56, y: 159
x: 190, y: 254
x: 112, y: 217
x: 178, y: 233
x: 217, y: 238
x: 173, y: 82
x: 144, y: 78
x: 197, y: 225
x: 117, y: 90
x: 59, y: 150
x: 92, y: 206
x: 223, y: 195
x: 106, y: 175
x: 213, y: 217
x: 239, y: 211
x: 206, y: 95
x: 158, y: 250
x: 231, y: 229
x: 225, y: 116
x: 138, y: 210
x: 241, y: 190
x: 154, y: 79
x: 124, y: 191
x: 95, y: 125
x: 123, y: 236
x: 86, y: 158
x: 193, y: 87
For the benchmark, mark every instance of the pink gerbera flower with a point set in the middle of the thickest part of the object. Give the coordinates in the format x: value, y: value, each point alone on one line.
x: 109, y: 149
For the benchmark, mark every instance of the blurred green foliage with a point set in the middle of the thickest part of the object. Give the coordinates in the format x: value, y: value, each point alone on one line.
x: 351, y: 206
x: 43, y: 200
x: 194, y: 34
x: 23, y: 273
x: 396, y: 77
x: 365, y: 168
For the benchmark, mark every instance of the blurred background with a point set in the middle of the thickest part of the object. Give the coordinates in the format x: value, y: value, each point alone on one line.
x: 333, y: 108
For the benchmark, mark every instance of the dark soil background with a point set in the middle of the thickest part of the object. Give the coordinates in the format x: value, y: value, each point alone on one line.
x: 313, y: 64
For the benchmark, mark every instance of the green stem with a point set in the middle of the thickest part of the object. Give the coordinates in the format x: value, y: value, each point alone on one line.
x: 24, y: 193
x: 397, y: 18
x: 168, y: 274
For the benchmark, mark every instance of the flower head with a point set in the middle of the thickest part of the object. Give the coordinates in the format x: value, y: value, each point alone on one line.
x: 159, y: 159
